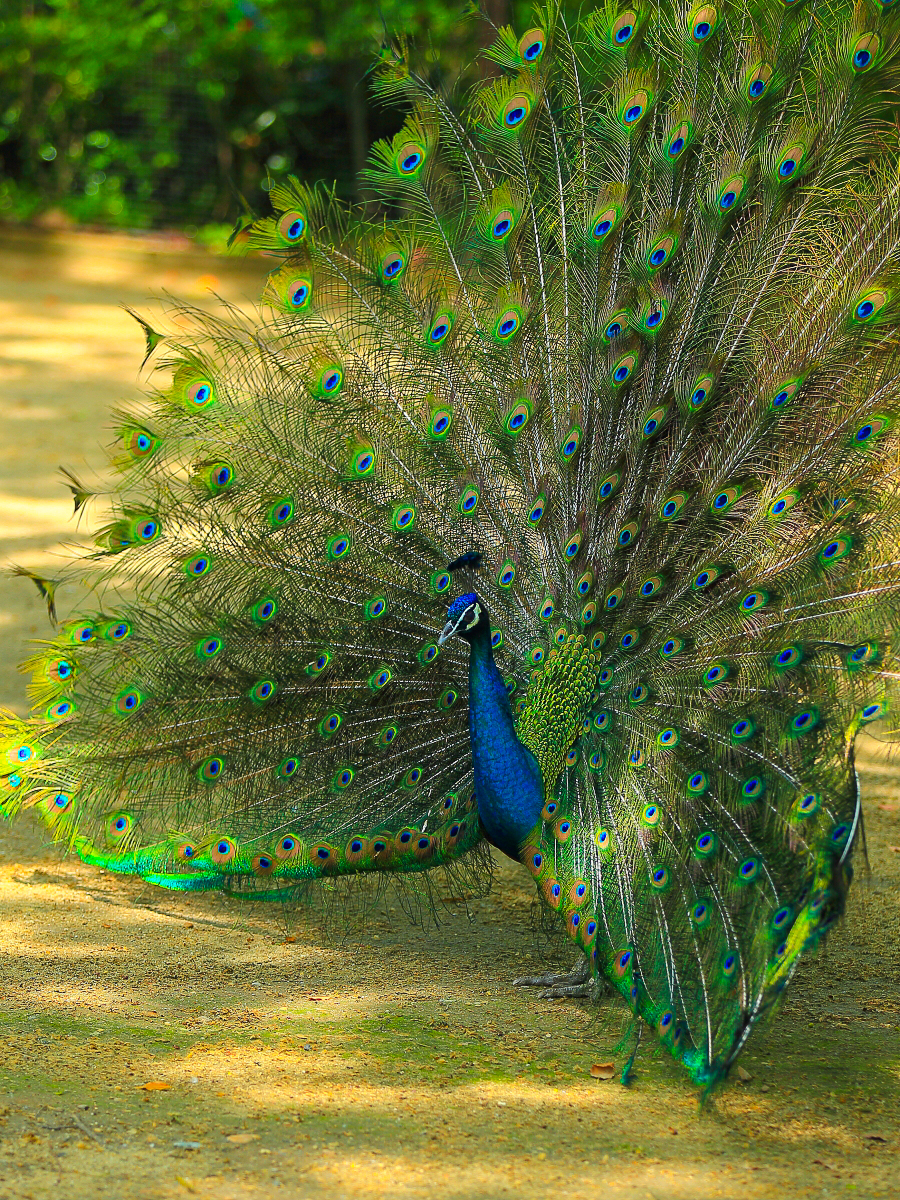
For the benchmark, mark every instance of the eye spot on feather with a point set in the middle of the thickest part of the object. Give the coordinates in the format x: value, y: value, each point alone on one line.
x: 287, y: 768
x: 128, y: 701
x: 562, y: 830
x: 209, y: 647
x: 677, y: 140
x: 834, y: 551
x: 223, y: 851
x: 623, y: 29
x: 864, y: 52
x: 547, y: 609
x: 671, y: 647
x: 742, y: 729
x: 468, y: 501
x: 706, y: 845
x: 264, y: 610
x: 598, y: 640
x: 211, y: 769
x: 291, y: 226
x: 748, y: 870
x: 281, y: 512
x: 496, y: 638
x: 697, y: 783
x: 629, y: 639
x: 515, y: 111
x: 118, y: 825
x: 757, y: 81
x: 392, y: 266
x: 200, y: 394
x: 605, y: 677
x: 667, y: 738
x: 380, y: 679
x: 117, y: 631
x: 753, y: 788
x: 319, y: 663
x: 603, y: 840
x: 650, y: 816
x: 622, y: 962
x: 518, y: 417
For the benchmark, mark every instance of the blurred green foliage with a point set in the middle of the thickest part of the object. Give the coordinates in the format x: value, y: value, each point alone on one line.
x: 146, y: 113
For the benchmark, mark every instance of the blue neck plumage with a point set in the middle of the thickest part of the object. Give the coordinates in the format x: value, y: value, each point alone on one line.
x: 508, y: 785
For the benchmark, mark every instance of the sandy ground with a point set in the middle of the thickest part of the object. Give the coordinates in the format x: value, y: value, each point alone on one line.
x: 155, y: 1045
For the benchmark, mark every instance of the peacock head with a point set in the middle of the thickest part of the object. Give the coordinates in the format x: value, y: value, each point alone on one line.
x: 465, y: 616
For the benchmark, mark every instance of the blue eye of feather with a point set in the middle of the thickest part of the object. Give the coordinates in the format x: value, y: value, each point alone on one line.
x: 633, y: 113
x: 199, y: 565
x: 411, y: 162
x: 757, y: 87
x: 623, y: 34
x: 202, y: 394
x: 602, y: 228
x: 862, y: 58
x: 515, y: 116
x: 653, y: 320
x: 831, y: 549
x: 331, y: 381
x: 502, y: 227
x: 620, y: 374
x: 391, y: 268
x: 508, y: 326
x: 727, y: 200
x: 298, y: 299
x: 296, y: 228
x: 701, y: 30
x: 787, y: 168
x: 865, y: 309
x: 147, y: 530
x: 440, y: 331
x: 658, y: 257
x: 223, y: 476
x: 533, y: 51
x: 676, y: 146
x: 779, y: 506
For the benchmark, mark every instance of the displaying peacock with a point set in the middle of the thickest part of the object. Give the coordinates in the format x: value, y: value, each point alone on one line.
x: 557, y: 505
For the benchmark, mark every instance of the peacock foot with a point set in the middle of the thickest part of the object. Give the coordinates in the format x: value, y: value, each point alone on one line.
x: 577, y: 983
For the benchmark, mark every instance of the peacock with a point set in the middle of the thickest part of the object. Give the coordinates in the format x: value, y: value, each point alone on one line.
x: 550, y: 503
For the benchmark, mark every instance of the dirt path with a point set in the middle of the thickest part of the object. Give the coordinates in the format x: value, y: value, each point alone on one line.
x: 157, y: 1046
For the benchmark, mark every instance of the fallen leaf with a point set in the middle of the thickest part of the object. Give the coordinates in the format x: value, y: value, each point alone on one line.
x: 874, y: 1137
x: 743, y: 1076
x: 188, y: 1184
x: 288, y: 941
x: 603, y: 1070
x: 896, y: 849
x: 241, y: 1139
x: 154, y: 1085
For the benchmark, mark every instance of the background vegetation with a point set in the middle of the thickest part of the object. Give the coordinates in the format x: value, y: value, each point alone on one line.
x: 162, y: 113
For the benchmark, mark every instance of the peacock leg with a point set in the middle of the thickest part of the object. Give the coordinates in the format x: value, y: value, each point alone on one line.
x: 576, y: 983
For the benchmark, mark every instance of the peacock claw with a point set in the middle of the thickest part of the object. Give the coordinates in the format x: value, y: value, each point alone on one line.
x: 577, y: 983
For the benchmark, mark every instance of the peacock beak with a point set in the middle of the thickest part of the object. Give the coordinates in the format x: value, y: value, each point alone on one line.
x: 446, y: 632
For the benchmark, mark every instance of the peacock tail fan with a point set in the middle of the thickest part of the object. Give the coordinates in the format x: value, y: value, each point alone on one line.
x: 624, y: 339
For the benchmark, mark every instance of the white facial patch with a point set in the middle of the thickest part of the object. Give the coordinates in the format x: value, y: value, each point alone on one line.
x: 476, y: 609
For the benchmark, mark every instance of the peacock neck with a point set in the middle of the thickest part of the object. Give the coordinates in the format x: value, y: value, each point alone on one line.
x: 508, y: 785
